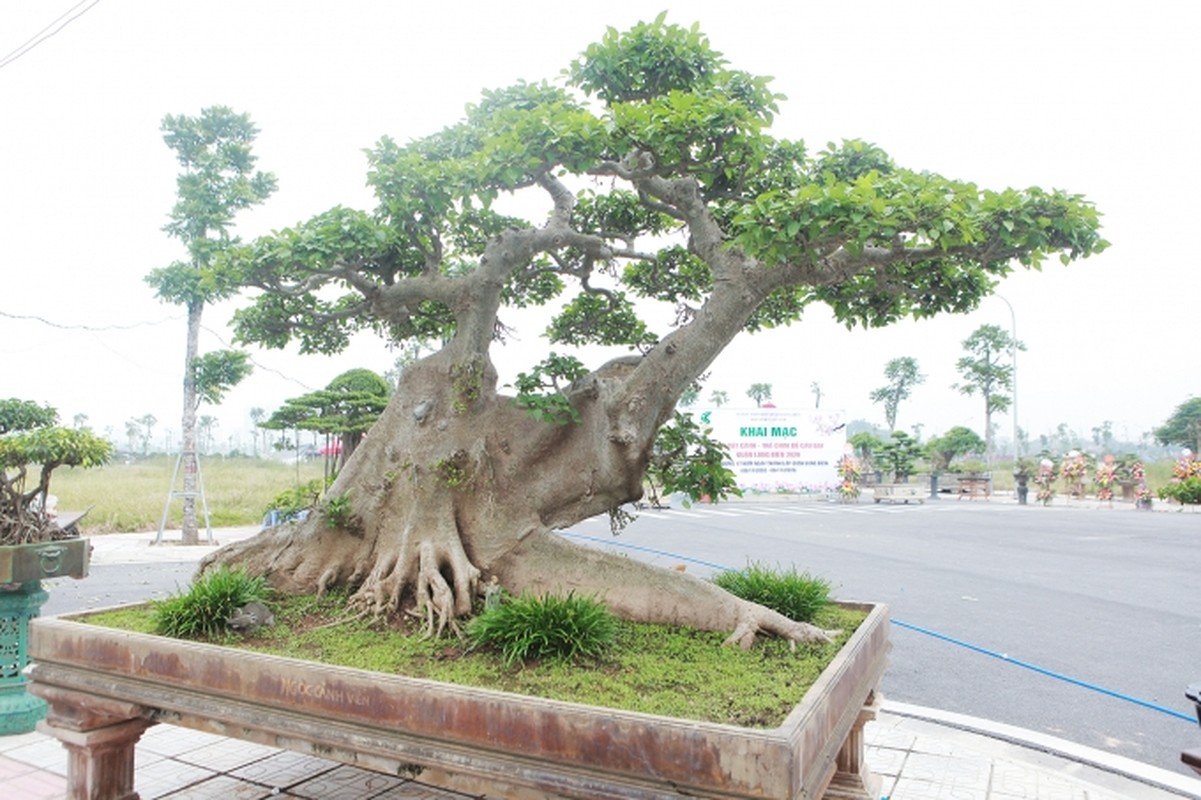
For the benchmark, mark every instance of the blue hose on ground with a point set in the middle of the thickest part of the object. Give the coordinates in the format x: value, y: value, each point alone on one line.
x: 901, y: 624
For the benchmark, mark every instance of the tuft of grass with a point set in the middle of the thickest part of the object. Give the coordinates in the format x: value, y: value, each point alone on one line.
x: 567, y: 628
x: 201, y: 611
x: 798, y: 596
x: 653, y: 669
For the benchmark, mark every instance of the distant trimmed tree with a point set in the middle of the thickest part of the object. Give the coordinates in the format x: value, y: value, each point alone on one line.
x: 719, y: 397
x: 902, y: 375
x: 985, y: 371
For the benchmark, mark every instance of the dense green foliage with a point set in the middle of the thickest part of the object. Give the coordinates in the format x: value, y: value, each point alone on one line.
x: 24, y: 415
x: 798, y: 596
x: 1185, y: 492
x: 899, y: 455
x: 958, y: 441
x: 203, y: 609
x: 653, y: 669
x: 1183, y: 427
x: 570, y: 628
x: 655, y: 111
x: 686, y: 459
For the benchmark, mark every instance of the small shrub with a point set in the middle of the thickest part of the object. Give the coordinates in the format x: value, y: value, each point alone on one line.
x: 292, y: 503
x: 202, y: 610
x: 1185, y: 492
x: 798, y: 596
x: 525, y: 628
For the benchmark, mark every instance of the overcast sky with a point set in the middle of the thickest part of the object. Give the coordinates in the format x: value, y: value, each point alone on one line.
x: 1097, y: 98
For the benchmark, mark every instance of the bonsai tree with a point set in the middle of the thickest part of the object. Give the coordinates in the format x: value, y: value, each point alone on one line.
x: 958, y: 441
x: 658, y: 180
x: 865, y: 445
x: 347, y: 408
x: 31, y: 440
x: 899, y: 455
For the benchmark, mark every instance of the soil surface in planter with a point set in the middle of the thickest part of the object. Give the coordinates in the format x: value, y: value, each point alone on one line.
x: 653, y: 669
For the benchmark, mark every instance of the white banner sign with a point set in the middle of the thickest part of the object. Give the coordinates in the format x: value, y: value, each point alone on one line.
x: 780, y: 450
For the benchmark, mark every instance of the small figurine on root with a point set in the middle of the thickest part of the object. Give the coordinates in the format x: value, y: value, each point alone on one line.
x: 654, y: 139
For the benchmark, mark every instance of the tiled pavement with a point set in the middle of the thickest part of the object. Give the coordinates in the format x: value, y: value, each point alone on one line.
x: 917, y: 759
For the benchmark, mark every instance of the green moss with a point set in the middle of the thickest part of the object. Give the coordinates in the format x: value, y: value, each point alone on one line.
x: 676, y: 672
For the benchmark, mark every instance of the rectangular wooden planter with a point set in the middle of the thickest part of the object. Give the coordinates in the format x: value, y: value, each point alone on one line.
x: 105, y: 687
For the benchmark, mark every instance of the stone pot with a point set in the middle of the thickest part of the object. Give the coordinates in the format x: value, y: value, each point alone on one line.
x: 106, y: 686
x: 22, y: 568
x: 64, y: 558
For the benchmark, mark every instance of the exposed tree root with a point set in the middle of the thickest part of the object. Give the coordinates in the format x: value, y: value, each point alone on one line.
x: 544, y: 562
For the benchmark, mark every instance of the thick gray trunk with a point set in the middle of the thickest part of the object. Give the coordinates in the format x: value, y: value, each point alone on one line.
x: 455, y: 485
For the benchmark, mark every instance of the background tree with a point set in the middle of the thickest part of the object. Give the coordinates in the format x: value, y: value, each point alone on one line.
x: 344, y: 411
x: 217, y: 181
x: 205, y: 426
x: 689, y: 397
x: 760, y: 393
x: 132, y: 430
x: 984, y: 371
x: 141, y: 430
x: 653, y: 134
x: 902, y: 375
x: 816, y: 388
x: 958, y: 441
x: 719, y: 397
x: 257, y: 415
x: 1103, y: 436
x: 1183, y: 427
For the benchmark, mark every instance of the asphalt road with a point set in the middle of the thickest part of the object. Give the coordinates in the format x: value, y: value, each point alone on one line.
x: 1107, y: 597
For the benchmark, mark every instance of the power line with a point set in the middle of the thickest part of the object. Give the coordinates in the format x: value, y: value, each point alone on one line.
x: 224, y: 343
x: 92, y: 328
x: 45, y: 33
x: 131, y: 326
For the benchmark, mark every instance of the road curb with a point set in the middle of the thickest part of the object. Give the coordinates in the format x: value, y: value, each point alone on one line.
x: 1051, y: 745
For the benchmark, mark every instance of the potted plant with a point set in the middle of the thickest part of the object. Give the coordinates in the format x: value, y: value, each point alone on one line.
x: 34, y: 542
x: 1045, y: 481
x: 1022, y: 469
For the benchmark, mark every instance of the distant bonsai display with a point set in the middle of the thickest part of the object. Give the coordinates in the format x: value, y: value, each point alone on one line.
x: 32, y: 444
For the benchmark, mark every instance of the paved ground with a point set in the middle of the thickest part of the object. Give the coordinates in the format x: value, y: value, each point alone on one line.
x: 917, y: 759
x: 919, y: 752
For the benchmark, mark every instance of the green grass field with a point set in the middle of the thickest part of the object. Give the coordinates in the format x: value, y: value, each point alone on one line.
x: 130, y: 496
